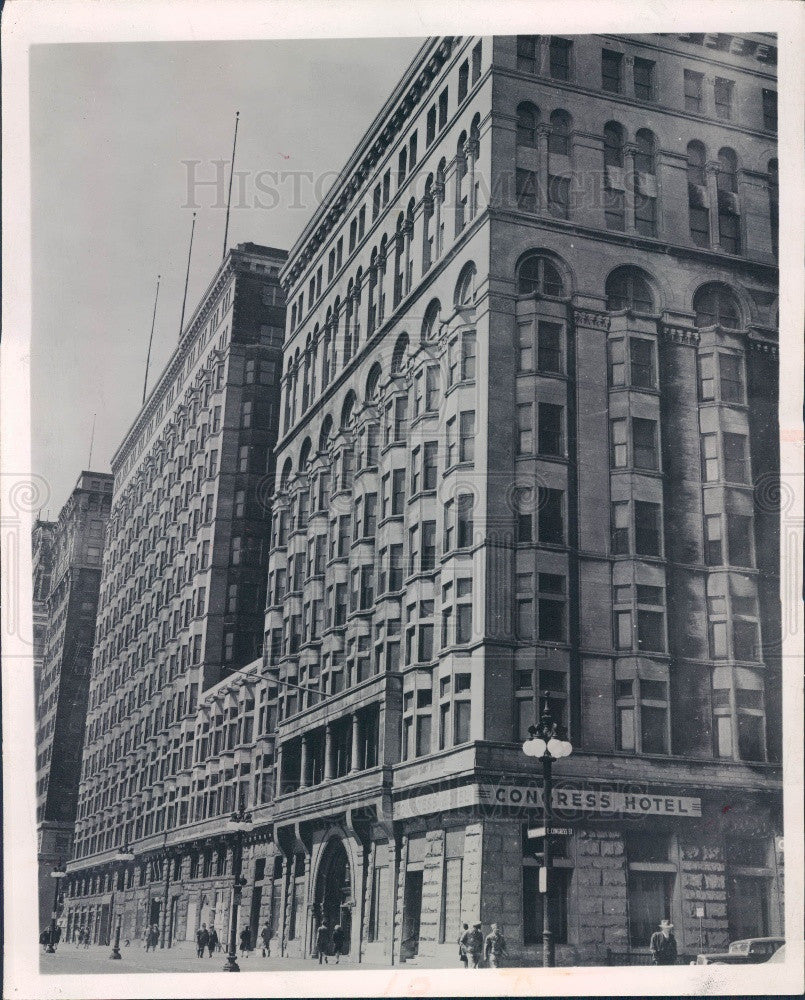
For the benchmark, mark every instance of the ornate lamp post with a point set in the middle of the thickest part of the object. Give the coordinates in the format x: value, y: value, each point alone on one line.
x: 58, y: 874
x: 240, y: 822
x: 546, y: 744
x: 124, y: 857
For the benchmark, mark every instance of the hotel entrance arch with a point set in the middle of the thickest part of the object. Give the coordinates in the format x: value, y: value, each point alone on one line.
x: 333, y: 899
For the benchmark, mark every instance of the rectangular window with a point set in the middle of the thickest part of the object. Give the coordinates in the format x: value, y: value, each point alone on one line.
x: 650, y: 897
x: 466, y: 451
x: 429, y: 465
x: 713, y: 553
x: 770, y: 110
x: 550, y: 439
x: 611, y: 71
x: 707, y: 379
x: 463, y: 80
x: 560, y: 58
x: 464, y: 508
x: 551, y: 607
x: 731, y: 377
x: 461, y: 721
x: 430, y: 126
x: 468, y: 348
x: 397, y: 492
x: 412, y: 152
x: 641, y: 356
x: 525, y: 432
x: 739, y: 539
x: 650, y: 631
x: 559, y: 196
x: 550, y: 516
x: 526, y: 189
x: 723, y: 98
x: 745, y: 640
x: 693, y: 84
x: 432, y: 388
x: 528, y: 54
x: 549, y: 347
x: 735, y: 466
x: 644, y: 440
x: 644, y: 79
x: 618, y: 447
x: 709, y: 457
x: 648, y: 541
x: 428, y: 545
x: 620, y: 528
x: 376, y: 196
x: 476, y: 63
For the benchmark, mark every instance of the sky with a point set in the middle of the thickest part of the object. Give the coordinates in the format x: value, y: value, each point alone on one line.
x: 123, y: 137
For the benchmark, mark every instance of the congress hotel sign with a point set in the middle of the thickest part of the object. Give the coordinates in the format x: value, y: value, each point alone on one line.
x: 569, y: 800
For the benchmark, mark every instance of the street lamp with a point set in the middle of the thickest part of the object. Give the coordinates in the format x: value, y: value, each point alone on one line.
x: 547, y: 745
x: 124, y: 857
x: 240, y: 822
x: 57, y: 874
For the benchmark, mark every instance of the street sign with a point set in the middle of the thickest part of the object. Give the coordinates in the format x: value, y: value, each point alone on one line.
x: 552, y: 831
x: 543, y: 880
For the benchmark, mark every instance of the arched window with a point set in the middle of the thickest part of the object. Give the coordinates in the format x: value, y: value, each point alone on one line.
x: 373, y: 381
x: 613, y: 144
x: 559, y: 136
x: 628, y: 288
x: 645, y: 193
x: 465, y: 286
x: 729, y: 220
x: 293, y: 316
x: 304, y: 454
x: 716, y: 304
x: 697, y: 156
x: 400, y: 354
x: 527, y: 120
x: 325, y: 433
x: 346, y: 410
x: 698, y: 212
x: 441, y: 170
x: 427, y: 215
x: 538, y: 275
x: 285, y: 478
x: 431, y: 317
x: 461, y: 173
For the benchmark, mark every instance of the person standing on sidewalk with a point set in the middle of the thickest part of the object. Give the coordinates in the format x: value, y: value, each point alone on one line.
x: 202, y: 937
x: 322, y: 941
x: 663, y: 944
x: 473, y: 942
x: 462, y: 952
x: 245, y: 942
x: 338, y: 942
x: 494, y: 948
x: 212, y: 941
x: 265, y: 936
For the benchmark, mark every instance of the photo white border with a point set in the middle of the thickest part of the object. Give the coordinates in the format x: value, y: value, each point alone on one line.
x: 27, y: 22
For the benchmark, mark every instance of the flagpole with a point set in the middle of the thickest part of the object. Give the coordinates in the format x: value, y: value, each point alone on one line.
x: 187, y: 276
x: 91, y: 442
x: 231, y: 175
x: 151, y: 340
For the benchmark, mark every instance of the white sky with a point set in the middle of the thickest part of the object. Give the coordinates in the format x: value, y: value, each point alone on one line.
x: 110, y: 127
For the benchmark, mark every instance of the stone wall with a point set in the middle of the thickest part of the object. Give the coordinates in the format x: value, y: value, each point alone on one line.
x: 703, y: 883
x: 598, y: 895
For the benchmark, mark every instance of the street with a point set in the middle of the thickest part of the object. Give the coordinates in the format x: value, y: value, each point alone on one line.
x: 70, y: 960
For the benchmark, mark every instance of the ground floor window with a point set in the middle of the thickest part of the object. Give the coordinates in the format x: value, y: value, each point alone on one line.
x: 747, y: 906
x: 650, y: 900
x: 533, y: 901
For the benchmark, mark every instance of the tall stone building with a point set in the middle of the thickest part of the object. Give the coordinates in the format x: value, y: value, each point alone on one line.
x: 528, y: 430
x: 530, y: 382
x: 67, y: 575
x: 181, y: 613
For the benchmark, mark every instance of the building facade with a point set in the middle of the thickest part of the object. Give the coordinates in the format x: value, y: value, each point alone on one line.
x: 181, y: 607
x: 67, y: 575
x: 529, y: 406
x: 527, y: 434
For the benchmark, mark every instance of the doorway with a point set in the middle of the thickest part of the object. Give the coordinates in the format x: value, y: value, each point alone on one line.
x: 412, y: 913
x: 254, y: 914
x: 334, y: 891
x: 154, y: 912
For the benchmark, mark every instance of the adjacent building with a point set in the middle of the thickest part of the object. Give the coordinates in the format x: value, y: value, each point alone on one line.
x: 529, y: 402
x: 181, y: 611
x: 525, y: 442
x: 67, y: 575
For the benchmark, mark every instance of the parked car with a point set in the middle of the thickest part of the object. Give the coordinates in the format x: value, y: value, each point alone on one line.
x: 778, y: 957
x: 748, y: 951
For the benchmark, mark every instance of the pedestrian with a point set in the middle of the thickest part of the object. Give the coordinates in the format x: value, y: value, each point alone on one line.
x: 473, y: 942
x: 663, y: 944
x: 44, y: 938
x: 79, y: 937
x: 212, y: 941
x: 153, y: 938
x: 322, y: 941
x: 494, y: 948
x: 57, y: 935
x: 265, y: 936
x: 245, y: 941
x: 338, y: 942
x: 87, y: 938
x: 462, y: 954
x: 202, y: 937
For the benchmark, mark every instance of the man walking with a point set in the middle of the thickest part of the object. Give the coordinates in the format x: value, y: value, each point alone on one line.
x: 212, y: 941
x: 202, y: 937
x: 462, y: 954
x: 494, y: 948
x: 663, y: 944
x: 265, y: 937
x: 322, y: 941
x: 338, y: 942
x: 245, y: 942
x: 473, y: 942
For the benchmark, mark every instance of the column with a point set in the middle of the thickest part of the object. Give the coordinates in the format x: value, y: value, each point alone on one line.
x: 328, y: 752
x: 712, y: 198
x: 629, y: 185
x: 544, y: 55
x: 303, y: 764
x: 355, y: 762
x: 543, y: 130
